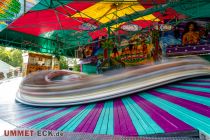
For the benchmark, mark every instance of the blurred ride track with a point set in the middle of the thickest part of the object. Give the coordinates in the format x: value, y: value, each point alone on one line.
x: 59, y: 88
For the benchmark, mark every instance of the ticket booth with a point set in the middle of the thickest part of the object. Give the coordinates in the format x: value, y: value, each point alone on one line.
x: 35, y: 62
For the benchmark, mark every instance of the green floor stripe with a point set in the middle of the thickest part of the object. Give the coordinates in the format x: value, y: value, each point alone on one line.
x: 196, y: 120
x: 192, y: 88
x: 50, y: 120
x: 143, y: 123
x: 76, y: 120
x: 183, y: 95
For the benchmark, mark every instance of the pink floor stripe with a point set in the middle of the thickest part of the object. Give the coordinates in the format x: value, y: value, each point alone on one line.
x: 165, y: 120
x: 61, y: 121
x: 200, y: 93
x: 121, y: 121
x: 90, y: 121
x: 33, y: 122
x: 196, y: 107
x: 130, y: 127
x: 123, y: 124
x: 117, y: 126
x: 95, y: 120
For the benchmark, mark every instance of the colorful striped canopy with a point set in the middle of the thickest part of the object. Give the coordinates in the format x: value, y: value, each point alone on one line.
x: 12, y: 9
x: 61, y: 19
x: 9, y: 8
x: 64, y: 20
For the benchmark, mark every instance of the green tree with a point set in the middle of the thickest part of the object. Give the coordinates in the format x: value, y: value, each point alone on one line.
x: 12, y: 56
x: 63, y: 62
x: 17, y: 59
x: 5, y: 55
x: 76, y: 66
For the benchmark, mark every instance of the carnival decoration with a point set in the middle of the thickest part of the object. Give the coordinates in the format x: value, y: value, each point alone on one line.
x: 87, y: 27
x: 131, y: 27
x: 163, y: 27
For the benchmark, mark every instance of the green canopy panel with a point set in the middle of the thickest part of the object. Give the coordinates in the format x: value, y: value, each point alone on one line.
x: 63, y: 36
x: 197, y: 9
x: 9, y: 38
x: 46, y: 4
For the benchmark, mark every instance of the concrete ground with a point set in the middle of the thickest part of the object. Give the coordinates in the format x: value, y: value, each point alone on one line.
x: 8, y: 89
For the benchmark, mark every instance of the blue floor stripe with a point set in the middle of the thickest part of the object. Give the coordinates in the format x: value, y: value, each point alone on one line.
x: 183, y: 95
x: 192, y: 88
x: 194, y: 119
x: 50, y: 120
x: 76, y: 120
x: 26, y: 120
x: 105, y: 122
x: 134, y: 117
x: 101, y: 119
x: 197, y: 83
x: 143, y: 123
x: 110, y: 129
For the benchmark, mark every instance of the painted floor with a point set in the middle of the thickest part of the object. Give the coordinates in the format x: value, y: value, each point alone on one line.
x: 181, y: 106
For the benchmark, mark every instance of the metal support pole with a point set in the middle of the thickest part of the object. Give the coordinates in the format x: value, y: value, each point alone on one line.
x: 24, y: 7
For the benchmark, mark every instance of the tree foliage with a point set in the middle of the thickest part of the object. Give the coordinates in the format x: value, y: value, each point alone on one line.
x: 76, y: 66
x: 63, y: 62
x: 11, y: 56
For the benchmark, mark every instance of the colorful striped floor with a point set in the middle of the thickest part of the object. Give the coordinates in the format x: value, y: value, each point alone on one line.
x: 182, y: 106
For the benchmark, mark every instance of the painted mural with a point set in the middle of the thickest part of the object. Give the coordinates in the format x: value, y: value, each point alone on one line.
x: 187, y: 38
x: 135, y: 50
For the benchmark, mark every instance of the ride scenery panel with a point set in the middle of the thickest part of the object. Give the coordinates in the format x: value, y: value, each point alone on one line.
x: 187, y: 38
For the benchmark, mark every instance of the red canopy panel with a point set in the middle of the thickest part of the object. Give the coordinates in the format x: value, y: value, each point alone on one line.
x: 98, y: 33
x: 33, y: 23
x: 39, y: 22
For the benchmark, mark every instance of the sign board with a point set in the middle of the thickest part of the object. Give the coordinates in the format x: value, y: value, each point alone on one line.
x: 163, y: 27
x: 131, y: 27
